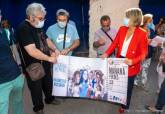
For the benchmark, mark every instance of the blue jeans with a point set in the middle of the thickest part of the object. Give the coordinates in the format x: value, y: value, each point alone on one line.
x: 161, y: 98
x: 13, y: 91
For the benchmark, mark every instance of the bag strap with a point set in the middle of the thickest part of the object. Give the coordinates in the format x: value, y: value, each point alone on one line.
x: 65, y: 36
x: 107, y: 34
x: 21, y: 55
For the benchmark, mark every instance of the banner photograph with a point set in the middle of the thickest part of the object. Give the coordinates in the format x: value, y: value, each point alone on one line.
x: 92, y: 78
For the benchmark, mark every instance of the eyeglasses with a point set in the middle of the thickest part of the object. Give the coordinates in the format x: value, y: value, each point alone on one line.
x: 40, y: 18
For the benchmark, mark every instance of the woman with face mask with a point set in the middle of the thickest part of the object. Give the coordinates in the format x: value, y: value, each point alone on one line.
x: 132, y: 44
x: 149, y: 27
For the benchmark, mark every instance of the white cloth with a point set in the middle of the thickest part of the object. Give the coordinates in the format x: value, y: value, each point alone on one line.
x: 125, y: 46
x: 76, y: 91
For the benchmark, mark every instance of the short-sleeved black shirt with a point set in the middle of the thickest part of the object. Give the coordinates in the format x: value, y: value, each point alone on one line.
x: 27, y: 34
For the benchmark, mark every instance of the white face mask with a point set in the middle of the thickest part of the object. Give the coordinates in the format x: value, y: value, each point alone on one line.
x: 40, y: 24
x: 62, y: 24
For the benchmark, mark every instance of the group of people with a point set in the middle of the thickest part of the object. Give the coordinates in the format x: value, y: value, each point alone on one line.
x: 36, y: 46
x: 132, y: 42
x: 87, y: 83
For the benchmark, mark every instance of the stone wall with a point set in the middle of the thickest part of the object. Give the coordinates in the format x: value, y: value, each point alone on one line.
x: 114, y: 8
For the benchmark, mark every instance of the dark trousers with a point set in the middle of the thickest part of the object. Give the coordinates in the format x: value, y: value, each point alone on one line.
x: 36, y: 87
x: 161, y: 98
x: 129, y: 91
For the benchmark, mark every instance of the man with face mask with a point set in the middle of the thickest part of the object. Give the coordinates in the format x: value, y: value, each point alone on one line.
x: 104, y: 36
x: 35, y: 47
x: 63, y: 34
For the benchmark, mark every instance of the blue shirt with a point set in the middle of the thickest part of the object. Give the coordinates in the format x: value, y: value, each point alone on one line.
x: 56, y: 34
x: 84, y: 89
x: 9, y: 69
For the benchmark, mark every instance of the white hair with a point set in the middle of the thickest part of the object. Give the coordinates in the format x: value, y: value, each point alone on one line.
x: 149, y: 15
x: 33, y: 8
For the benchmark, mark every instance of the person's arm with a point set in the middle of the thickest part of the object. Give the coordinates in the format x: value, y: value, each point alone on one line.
x: 54, y: 51
x: 74, y: 45
x: 36, y: 53
x: 52, y: 46
x: 99, y: 43
x: 98, y: 40
x: 112, y: 46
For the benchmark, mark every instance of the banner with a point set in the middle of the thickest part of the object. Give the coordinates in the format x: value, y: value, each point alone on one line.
x: 92, y: 78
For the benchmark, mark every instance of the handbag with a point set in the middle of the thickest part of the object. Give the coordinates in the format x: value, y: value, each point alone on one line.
x: 35, y: 70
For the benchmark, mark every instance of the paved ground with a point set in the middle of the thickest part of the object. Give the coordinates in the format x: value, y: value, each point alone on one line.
x: 81, y: 106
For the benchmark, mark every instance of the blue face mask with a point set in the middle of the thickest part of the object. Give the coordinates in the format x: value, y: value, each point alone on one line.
x: 151, y: 26
x: 62, y: 24
x: 126, y: 22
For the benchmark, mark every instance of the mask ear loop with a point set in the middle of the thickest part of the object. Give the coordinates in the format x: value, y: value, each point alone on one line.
x: 28, y: 19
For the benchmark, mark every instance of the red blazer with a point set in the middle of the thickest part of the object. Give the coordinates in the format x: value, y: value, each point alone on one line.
x: 137, y: 50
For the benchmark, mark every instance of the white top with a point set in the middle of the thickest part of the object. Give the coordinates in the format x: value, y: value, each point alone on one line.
x: 125, y: 46
x: 76, y: 91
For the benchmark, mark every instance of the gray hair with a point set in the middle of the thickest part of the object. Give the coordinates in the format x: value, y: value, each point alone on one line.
x: 33, y: 8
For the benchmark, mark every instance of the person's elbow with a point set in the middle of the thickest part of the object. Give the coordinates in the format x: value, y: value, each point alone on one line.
x: 33, y: 53
x: 77, y: 42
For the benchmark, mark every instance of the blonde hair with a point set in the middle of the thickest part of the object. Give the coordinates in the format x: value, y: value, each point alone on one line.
x: 146, y: 17
x: 135, y: 15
